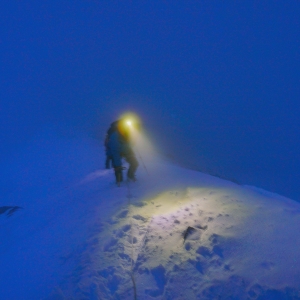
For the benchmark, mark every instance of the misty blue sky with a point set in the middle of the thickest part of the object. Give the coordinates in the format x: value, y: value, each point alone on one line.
x: 216, y: 83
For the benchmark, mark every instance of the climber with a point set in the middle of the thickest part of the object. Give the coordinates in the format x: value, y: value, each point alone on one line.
x: 118, y: 146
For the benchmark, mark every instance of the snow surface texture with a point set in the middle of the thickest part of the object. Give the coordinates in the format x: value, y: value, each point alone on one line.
x: 174, y: 234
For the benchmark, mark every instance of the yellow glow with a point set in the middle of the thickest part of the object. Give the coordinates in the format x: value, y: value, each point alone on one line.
x: 141, y: 144
x: 130, y: 119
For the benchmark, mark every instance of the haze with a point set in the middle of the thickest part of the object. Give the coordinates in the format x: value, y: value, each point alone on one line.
x: 216, y: 84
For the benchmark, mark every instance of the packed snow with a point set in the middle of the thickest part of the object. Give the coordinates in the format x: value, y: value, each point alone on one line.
x: 173, y: 234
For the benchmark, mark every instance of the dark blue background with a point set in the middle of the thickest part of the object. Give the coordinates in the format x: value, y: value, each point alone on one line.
x: 215, y: 82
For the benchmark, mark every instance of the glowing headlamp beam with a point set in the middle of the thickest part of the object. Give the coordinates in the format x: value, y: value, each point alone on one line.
x: 129, y: 123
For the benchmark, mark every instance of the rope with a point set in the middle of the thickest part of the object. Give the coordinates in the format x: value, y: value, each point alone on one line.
x: 129, y: 197
x: 140, y: 156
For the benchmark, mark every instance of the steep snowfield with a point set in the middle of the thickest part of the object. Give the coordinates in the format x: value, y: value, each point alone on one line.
x: 174, y: 234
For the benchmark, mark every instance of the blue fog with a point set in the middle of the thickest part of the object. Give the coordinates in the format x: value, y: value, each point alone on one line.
x: 215, y: 83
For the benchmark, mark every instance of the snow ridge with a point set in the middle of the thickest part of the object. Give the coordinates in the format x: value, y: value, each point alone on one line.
x: 191, y: 243
x: 174, y: 234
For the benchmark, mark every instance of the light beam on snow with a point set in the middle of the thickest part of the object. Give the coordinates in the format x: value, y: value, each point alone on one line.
x: 141, y: 143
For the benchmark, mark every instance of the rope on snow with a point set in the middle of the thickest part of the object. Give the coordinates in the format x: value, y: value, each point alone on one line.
x: 129, y: 197
x: 140, y: 156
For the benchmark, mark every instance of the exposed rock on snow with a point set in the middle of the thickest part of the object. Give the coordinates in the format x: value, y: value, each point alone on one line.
x: 9, y: 210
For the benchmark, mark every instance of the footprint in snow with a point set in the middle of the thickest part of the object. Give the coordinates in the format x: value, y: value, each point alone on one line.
x: 132, y: 240
x: 110, y: 244
x: 217, y: 250
x: 204, y: 251
x: 122, y: 214
x: 191, y: 233
x: 188, y: 246
x: 126, y: 227
x: 200, y: 226
x: 159, y: 276
x: 125, y: 257
x: 139, y: 217
x: 119, y: 233
x: 215, y: 238
x: 200, y: 266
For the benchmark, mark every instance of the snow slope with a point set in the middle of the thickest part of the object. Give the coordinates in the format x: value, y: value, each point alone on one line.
x: 174, y: 234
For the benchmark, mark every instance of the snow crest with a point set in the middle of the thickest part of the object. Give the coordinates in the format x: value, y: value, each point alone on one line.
x: 175, y: 234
